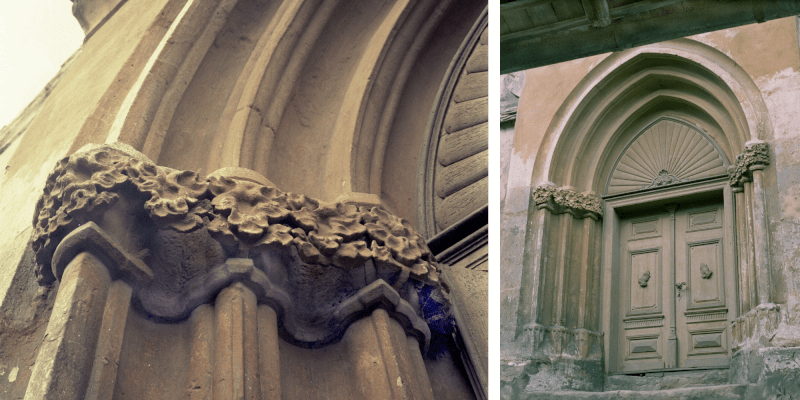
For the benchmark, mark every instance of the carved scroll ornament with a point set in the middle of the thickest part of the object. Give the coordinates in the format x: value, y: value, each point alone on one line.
x: 755, y: 156
x: 176, y: 236
x: 563, y: 200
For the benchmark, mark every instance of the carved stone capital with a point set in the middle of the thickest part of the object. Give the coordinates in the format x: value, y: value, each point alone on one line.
x: 754, y: 157
x: 565, y: 200
x: 179, y: 238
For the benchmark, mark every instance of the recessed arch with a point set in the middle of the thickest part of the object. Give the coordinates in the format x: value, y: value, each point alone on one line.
x: 683, y: 69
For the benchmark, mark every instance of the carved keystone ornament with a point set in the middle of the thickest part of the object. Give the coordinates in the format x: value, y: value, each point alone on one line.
x: 178, y: 238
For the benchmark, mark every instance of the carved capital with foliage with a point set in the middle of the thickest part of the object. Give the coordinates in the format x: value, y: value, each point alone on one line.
x: 754, y: 157
x: 565, y: 200
x: 180, y: 237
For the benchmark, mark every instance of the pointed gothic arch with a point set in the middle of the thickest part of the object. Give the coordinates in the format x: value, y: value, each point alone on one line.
x: 566, y: 282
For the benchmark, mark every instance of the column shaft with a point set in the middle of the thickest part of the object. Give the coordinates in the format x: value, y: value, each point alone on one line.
x: 384, y: 366
x: 235, y: 358
x: 586, y: 259
x: 741, y: 240
x: 760, y: 237
x: 750, y: 243
x: 65, y: 357
x: 269, y: 364
x: 109, y: 344
x: 533, y: 262
x: 199, y: 385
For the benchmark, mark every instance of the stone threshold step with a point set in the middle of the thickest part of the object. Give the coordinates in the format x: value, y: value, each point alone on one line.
x: 689, y: 393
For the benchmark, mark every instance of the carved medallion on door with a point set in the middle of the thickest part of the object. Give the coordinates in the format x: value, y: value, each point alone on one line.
x: 673, y: 284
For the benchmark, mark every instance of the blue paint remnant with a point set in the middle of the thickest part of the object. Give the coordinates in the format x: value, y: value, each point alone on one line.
x: 436, y: 313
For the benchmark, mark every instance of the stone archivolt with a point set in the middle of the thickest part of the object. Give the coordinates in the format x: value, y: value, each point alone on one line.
x: 319, y: 266
x: 754, y: 157
x: 564, y: 200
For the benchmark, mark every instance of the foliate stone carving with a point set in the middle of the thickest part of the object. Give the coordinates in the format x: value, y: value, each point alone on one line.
x: 564, y: 200
x: 755, y: 156
x: 241, y: 215
x: 83, y: 187
x: 175, y: 236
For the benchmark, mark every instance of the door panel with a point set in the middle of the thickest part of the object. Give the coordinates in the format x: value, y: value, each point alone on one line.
x: 644, y: 245
x: 685, y: 290
x: 702, y: 312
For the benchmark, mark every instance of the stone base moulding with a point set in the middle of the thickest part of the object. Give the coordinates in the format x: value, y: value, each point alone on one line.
x: 756, y: 327
x: 554, y: 358
x: 561, y: 342
x: 236, y: 265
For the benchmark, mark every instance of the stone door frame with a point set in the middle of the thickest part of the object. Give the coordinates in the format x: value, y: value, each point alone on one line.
x: 610, y: 250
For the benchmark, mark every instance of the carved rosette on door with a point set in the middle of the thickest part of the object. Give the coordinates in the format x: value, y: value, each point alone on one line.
x: 676, y: 291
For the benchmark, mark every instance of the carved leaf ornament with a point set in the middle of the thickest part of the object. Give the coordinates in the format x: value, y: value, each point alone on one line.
x: 308, y: 257
x: 666, y: 153
x: 755, y: 156
x: 236, y: 213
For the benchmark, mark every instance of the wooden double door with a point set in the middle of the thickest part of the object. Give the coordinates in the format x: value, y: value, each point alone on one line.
x: 676, y: 288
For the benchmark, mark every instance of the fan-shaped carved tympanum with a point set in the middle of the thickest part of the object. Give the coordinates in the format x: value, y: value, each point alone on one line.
x: 666, y: 153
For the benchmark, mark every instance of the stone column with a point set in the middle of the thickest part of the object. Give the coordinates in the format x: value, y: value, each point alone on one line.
x: 560, y: 259
x: 761, y: 235
x: 89, y: 316
x: 529, y: 287
x: 269, y: 365
x: 745, y: 303
x: 749, y: 244
x: 386, y: 363
x: 65, y: 358
x: 746, y: 177
x: 109, y: 345
x: 760, y: 317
